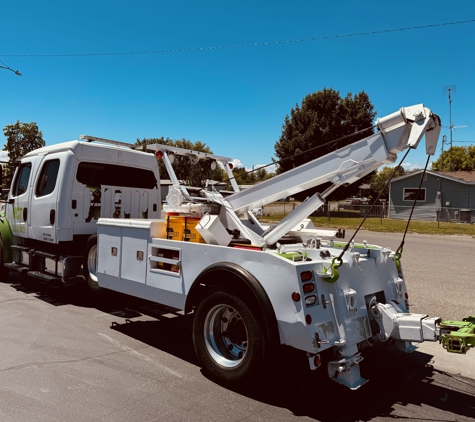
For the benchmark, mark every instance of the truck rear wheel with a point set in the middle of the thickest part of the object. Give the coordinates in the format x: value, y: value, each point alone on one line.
x: 3, y: 270
x: 90, y: 264
x: 228, y: 340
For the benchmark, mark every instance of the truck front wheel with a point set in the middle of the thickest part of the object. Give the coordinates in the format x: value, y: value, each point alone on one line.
x: 228, y: 340
x: 90, y: 264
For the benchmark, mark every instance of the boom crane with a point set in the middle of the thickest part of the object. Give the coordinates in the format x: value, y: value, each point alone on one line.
x: 396, y: 132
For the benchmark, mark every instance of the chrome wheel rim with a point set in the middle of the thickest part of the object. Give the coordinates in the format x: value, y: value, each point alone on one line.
x: 92, y: 263
x: 226, y: 336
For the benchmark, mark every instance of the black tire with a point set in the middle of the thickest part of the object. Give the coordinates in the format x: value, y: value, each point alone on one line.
x: 90, y: 265
x: 3, y: 270
x: 228, y: 340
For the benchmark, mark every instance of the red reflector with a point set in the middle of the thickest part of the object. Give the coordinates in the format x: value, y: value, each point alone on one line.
x: 230, y: 165
x: 159, y: 154
x: 296, y: 297
x: 317, y: 361
x: 308, y: 287
x: 306, y: 276
x: 308, y: 319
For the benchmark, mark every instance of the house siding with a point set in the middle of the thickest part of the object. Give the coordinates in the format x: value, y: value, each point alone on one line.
x: 459, y: 195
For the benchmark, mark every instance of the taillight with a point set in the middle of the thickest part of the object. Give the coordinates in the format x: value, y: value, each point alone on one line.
x: 306, y: 275
x: 308, y: 287
x: 308, y: 319
x: 159, y: 154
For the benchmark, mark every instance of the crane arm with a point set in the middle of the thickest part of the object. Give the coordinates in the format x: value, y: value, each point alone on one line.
x: 396, y: 132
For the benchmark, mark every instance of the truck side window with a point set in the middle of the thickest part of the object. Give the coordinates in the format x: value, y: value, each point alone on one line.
x: 97, y: 174
x: 47, y: 180
x: 21, y: 181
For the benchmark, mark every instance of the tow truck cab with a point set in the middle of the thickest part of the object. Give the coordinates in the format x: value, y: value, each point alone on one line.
x: 60, y: 191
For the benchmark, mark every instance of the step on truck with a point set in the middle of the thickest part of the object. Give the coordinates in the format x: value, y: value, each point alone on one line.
x: 92, y: 210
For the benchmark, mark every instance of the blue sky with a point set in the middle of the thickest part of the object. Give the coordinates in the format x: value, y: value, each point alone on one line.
x: 233, y: 99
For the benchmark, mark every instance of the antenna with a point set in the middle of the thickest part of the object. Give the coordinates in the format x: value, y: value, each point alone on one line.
x: 449, y: 90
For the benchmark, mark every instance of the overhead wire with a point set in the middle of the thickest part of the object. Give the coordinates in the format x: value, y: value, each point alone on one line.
x: 305, y: 152
x: 256, y: 44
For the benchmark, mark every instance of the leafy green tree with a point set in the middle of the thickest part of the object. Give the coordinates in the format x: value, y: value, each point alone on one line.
x: 456, y: 159
x: 243, y: 176
x: 323, y: 116
x: 247, y: 177
x: 21, y: 139
x: 262, y: 174
x: 381, y: 177
x: 190, y: 174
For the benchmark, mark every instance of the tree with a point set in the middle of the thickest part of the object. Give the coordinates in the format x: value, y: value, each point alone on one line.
x: 455, y: 159
x: 190, y: 174
x: 381, y: 177
x: 21, y: 139
x: 246, y: 177
x: 323, y: 116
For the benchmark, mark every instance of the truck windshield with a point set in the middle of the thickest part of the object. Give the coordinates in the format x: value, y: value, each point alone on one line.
x: 98, y: 174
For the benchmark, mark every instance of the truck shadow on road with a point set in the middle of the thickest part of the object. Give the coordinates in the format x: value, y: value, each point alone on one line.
x: 401, y: 386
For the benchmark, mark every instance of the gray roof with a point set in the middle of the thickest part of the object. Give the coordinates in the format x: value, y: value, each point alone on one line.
x: 457, y: 176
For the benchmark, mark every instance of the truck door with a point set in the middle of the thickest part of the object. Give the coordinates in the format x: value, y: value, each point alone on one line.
x: 18, y: 210
x: 43, y: 214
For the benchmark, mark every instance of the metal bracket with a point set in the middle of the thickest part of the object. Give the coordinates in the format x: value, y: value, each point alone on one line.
x: 347, y: 372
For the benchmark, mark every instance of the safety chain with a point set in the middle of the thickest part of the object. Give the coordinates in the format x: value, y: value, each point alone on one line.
x: 372, y: 206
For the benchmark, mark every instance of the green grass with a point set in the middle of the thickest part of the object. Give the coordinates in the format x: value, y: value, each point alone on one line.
x: 387, y: 225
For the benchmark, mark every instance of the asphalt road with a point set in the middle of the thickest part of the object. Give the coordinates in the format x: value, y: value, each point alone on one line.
x: 67, y: 357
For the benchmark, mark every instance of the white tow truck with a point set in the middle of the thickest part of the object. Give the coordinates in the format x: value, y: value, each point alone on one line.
x: 94, y: 210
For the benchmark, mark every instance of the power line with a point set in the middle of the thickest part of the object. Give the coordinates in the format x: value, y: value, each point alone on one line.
x: 257, y: 44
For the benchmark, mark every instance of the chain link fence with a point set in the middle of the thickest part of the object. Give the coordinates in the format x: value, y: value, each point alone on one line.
x: 354, y: 210
x: 433, y: 213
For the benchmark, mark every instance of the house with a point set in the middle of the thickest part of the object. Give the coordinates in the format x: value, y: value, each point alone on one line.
x: 444, y: 196
x: 365, y: 190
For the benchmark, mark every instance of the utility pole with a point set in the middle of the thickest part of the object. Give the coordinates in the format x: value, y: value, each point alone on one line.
x: 448, y: 90
x: 444, y: 141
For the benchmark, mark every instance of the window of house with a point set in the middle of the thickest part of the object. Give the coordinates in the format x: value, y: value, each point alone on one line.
x: 98, y: 174
x: 410, y: 194
x: 47, y: 180
x: 21, y: 181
